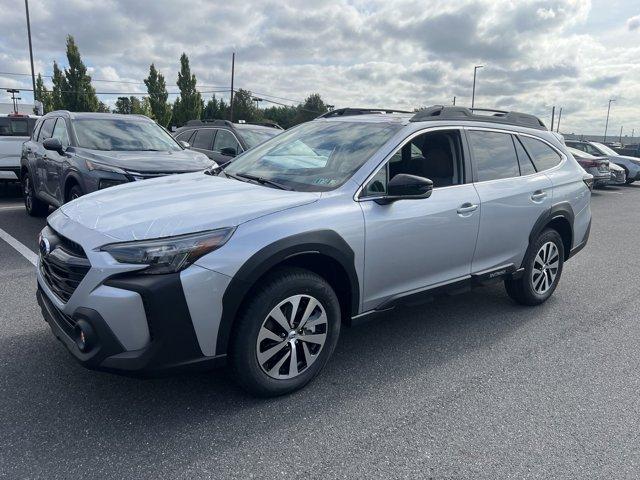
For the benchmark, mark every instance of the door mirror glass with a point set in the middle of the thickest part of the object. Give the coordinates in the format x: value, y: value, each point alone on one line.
x: 408, y: 186
x: 228, y: 152
x: 185, y: 144
x: 54, y: 145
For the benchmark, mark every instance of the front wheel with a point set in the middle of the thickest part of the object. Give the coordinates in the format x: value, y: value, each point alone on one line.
x: 542, y: 270
x: 285, y: 333
x: 75, y: 192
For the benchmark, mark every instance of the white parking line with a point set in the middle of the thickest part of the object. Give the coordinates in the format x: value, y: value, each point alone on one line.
x: 12, y: 207
x: 20, y: 248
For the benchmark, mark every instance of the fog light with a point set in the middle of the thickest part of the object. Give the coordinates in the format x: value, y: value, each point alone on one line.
x: 84, y: 336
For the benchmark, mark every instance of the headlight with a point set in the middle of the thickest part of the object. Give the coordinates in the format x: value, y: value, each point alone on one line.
x: 171, y: 254
x: 103, y: 168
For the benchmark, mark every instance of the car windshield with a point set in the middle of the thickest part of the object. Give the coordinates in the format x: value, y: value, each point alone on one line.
x: 604, y: 149
x: 122, y: 134
x: 315, y: 156
x: 579, y: 153
x: 256, y: 136
x: 16, y: 126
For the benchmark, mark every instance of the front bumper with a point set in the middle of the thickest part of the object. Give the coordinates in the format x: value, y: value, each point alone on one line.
x: 140, y: 324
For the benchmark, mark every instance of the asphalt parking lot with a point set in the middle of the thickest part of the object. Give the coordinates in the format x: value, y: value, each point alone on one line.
x: 470, y: 386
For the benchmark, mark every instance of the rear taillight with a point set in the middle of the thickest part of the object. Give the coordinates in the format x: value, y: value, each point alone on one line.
x: 588, y: 163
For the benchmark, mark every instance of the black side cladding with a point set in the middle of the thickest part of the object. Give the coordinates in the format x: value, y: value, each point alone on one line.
x: 325, y: 242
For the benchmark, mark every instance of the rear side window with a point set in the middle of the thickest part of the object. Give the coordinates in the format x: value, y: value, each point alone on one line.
x: 494, y: 155
x: 544, y: 157
x: 47, y: 129
x: 204, y: 139
x: 225, y: 139
x: 526, y: 165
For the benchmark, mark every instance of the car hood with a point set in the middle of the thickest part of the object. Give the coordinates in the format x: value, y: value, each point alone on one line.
x: 178, y: 204
x: 150, y: 162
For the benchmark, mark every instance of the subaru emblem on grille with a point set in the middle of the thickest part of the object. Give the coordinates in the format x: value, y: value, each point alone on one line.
x: 45, y: 246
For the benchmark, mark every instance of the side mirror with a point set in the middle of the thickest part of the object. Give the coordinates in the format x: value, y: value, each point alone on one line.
x: 228, y: 152
x: 54, y: 145
x: 185, y: 144
x: 405, y: 186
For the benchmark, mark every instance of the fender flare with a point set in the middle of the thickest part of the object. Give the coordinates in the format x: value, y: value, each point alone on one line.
x: 74, y: 175
x: 558, y: 210
x: 324, y: 242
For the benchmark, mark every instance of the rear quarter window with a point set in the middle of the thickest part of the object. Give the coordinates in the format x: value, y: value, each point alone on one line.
x: 543, y: 156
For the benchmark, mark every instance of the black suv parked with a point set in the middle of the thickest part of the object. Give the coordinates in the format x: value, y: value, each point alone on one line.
x: 70, y: 154
x: 221, y: 140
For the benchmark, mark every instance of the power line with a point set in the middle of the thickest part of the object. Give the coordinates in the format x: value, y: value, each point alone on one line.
x: 144, y: 94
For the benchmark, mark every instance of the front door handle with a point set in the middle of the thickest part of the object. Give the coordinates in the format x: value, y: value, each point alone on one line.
x: 538, y: 195
x: 467, y: 208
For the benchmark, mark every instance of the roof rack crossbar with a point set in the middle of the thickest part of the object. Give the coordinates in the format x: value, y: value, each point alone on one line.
x: 207, y: 121
x: 350, y: 111
x: 440, y: 112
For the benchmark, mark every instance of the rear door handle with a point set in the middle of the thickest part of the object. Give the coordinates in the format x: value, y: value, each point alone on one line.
x: 538, y: 195
x: 467, y: 208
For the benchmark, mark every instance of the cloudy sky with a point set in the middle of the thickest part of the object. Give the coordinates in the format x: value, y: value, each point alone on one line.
x: 380, y: 53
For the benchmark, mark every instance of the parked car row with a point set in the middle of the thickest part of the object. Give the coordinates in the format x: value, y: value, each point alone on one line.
x: 596, y: 158
x: 15, y: 129
x: 260, y: 263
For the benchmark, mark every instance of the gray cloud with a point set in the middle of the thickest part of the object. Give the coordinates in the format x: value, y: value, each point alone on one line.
x: 633, y: 23
x: 603, y: 82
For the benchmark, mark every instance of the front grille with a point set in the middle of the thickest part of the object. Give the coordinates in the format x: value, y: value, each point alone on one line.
x: 65, y: 266
x: 64, y: 321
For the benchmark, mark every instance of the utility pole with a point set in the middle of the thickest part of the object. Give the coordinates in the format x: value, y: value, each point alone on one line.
x: 473, y: 93
x: 454, y: 101
x: 257, y: 99
x: 606, y: 125
x: 33, y: 74
x: 13, y: 92
x: 621, y: 126
x: 553, y: 117
x: 233, y: 66
x: 559, y: 118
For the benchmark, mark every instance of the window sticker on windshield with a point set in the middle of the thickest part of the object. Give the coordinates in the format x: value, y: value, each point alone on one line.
x: 324, y: 181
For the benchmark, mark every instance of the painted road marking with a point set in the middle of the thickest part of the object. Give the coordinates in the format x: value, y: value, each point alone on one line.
x: 20, y: 248
x: 13, y: 207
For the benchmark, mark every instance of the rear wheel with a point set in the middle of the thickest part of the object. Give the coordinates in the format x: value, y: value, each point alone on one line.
x: 34, y: 206
x: 285, y: 333
x: 542, y: 270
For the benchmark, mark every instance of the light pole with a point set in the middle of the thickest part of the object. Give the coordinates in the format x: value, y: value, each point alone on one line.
x: 233, y: 69
x: 33, y: 74
x: 473, y: 94
x: 606, y: 125
x: 257, y: 99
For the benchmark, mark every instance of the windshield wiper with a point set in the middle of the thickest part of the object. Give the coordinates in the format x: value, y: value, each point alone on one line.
x: 263, y: 181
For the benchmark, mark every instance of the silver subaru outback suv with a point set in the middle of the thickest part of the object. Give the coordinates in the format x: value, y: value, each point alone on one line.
x: 259, y: 264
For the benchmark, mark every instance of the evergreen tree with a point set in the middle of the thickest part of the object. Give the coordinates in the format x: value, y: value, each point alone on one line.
x: 188, y: 105
x: 43, y: 95
x: 133, y: 105
x: 310, y: 109
x: 59, y: 86
x: 244, y: 108
x: 78, y: 94
x: 282, y: 115
x: 157, y: 89
x: 215, y: 109
x: 123, y: 105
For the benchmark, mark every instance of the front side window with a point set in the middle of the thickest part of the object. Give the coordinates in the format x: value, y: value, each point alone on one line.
x: 256, y: 136
x: 185, y: 136
x: 123, y: 134
x: 600, y: 149
x: 47, y: 129
x: 315, y: 156
x: 544, y: 157
x: 225, y: 139
x: 433, y: 155
x: 203, y: 139
x: 60, y: 132
x: 494, y: 155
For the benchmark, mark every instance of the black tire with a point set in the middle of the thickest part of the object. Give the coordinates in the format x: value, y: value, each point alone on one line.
x: 34, y: 206
x: 523, y: 290
x: 74, y: 192
x: 276, y: 288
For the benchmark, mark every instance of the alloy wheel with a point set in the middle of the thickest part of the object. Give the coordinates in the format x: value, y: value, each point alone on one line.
x: 545, y: 268
x: 291, y: 337
x: 28, y: 194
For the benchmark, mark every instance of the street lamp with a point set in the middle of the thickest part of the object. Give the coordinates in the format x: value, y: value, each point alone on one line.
x: 257, y: 99
x: 13, y: 92
x: 473, y: 94
x: 606, y: 125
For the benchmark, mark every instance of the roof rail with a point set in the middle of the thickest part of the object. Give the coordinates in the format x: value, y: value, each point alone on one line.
x: 265, y: 124
x: 349, y: 111
x: 207, y: 121
x: 440, y: 112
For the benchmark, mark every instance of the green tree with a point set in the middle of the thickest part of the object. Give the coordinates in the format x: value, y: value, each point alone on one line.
x: 283, y: 115
x: 244, y: 107
x: 78, y: 94
x: 215, y: 109
x: 43, y: 95
x: 59, y: 85
x: 133, y: 105
x: 188, y: 105
x: 310, y: 109
x: 123, y: 105
x: 158, y: 95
